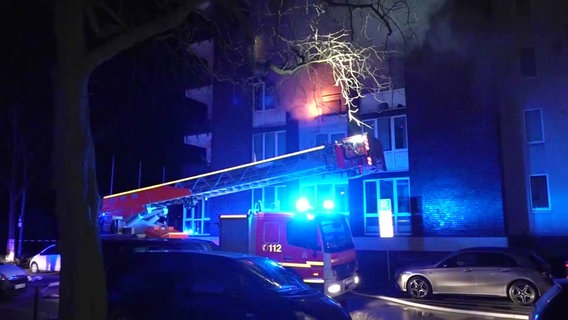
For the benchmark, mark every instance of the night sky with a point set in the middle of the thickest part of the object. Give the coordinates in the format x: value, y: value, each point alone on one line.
x: 138, y: 113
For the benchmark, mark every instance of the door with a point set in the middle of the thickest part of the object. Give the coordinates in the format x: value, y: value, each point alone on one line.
x: 272, y: 240
x: 455, y: 275
x: 50, y: 259
x: 493, y: 273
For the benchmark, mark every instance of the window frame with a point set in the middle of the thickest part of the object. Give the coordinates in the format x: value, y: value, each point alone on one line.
x: 541, y: 124
x: 315, y: 198
x: 392, y: 131
x: 279, y: 193
x: 277, y: 150
x: 548, y: 199
x: 263, y: 89
x: 396, y: 215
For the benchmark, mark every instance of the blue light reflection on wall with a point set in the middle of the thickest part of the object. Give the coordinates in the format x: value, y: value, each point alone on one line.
x: 462, y: 207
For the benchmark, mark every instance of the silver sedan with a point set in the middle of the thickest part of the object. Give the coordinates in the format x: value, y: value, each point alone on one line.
x: 501, y: 272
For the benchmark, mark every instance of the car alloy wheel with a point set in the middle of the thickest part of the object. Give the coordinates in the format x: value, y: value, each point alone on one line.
x: 418, y: 287
x: 34, y: 268
x: 523, y: 293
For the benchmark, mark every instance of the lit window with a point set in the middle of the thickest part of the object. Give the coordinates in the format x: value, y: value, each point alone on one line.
x: 333, y: 103
x: 398, y: 191
x: 318, y: 194
x: 540, y: 198
x: 533, y: 126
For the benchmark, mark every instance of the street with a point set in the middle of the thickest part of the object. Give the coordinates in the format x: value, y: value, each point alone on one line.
x: 362, y: 306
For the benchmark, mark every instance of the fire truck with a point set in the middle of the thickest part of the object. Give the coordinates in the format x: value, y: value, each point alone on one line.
x: 317, y: 246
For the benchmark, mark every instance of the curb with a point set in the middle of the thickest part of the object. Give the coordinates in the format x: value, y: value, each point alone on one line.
x: 445, y: 309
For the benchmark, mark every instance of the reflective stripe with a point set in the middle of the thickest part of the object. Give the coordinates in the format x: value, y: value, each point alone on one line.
x: 316, y: 280
x: 308, y: 264
x: 233, y: 216
x: 297, y: 265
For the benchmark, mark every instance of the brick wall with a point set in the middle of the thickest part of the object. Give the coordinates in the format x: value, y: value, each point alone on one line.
x: 455, y: 165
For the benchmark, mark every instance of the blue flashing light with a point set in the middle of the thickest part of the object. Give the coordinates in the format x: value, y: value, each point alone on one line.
x: 328, y: 205
x: 303, y: 205
x: 310, y: 216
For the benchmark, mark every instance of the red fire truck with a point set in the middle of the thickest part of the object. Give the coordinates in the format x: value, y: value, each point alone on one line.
x: 318, y: 247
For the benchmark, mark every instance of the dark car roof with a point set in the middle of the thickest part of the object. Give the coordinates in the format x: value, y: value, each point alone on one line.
x: 123, y: 239
x: 222, y: 254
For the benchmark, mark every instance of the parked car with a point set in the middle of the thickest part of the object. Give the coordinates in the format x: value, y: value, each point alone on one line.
x: 213, y: 285
x: 13, y: 279
x: 521, y: 276
x: 552, y: 305
x: 48, y: 260
x: 117, y: 251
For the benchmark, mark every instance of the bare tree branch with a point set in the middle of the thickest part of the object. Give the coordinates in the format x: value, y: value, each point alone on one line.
x: 140, y: 33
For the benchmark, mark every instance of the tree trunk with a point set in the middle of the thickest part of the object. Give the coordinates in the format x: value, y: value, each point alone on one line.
x: 82, y: 289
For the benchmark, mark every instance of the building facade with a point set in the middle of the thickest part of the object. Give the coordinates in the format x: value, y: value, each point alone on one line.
x: 473, y: 131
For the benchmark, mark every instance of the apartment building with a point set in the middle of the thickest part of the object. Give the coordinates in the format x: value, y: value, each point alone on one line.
x: 473, y: 132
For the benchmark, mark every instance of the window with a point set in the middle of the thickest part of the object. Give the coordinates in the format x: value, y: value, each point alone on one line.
x: 268, y: 197
x: 328, y: 138
x: 398, y: 191
x: 302, y: 233
x: 50, y: 251
x: 540, y: 197
x: 271, y: 232
x: 533, y: 126
x: 495, y: 260
x: 528, y: 62
x: 263, y: 97
x: 391, y: 131
x: 461, y: 260
x: 195, y: 220
x: 317, y: 194
x: 400, y: 132
x: 333, y: 104
x: 268, y: 145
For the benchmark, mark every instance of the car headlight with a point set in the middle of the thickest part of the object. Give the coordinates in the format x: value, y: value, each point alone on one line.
x: 334, y: 288
x: 300, y: 315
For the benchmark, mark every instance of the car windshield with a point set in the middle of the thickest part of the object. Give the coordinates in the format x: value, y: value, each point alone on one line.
x: 274, y: 276
x: 335, y: 234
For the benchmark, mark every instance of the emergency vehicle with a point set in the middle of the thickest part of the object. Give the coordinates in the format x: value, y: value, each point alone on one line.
x: 318, y: 247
